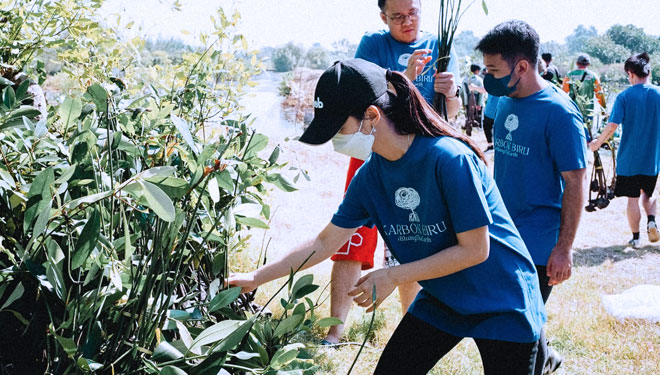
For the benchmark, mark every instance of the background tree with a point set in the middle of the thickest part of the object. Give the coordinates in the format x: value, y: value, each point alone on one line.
x: 633, y: 38
x: 287, y: 57
x: 606, y: 50
x: 575, y: 41
x: 317, y: 57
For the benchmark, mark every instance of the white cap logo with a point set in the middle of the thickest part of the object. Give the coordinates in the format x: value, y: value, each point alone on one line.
x: 318, y: 103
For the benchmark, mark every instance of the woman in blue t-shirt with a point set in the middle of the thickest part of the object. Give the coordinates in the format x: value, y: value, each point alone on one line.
x: 427, y: 190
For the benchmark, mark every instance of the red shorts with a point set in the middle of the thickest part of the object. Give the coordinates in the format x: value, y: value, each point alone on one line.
x: 362, y: 245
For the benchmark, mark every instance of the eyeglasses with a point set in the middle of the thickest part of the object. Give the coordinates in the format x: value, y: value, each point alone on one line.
x: 400, y: 19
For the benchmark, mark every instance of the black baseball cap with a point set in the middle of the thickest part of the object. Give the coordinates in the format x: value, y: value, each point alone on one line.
x: 346, y: 87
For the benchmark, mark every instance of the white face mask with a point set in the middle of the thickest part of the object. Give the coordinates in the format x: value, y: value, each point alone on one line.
x: 357, y: 145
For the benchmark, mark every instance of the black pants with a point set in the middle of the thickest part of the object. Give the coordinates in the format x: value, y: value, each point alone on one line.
x: 542, y: 354
x: 416, y: 346
x: 488, y: 129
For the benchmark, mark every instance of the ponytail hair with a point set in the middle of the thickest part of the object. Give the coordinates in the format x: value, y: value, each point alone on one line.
x: 639, y: 65
x: 411, y: 114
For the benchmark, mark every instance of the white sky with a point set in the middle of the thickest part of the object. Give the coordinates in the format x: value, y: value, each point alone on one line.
x: 275, y: 22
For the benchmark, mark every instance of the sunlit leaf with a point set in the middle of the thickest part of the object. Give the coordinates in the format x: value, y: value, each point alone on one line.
x: 16, y: 294
x: 329, y: 322
x: 288, y: 325
x: 224, y: 298
x: 89, y: 238
x: 158, y: 201
x: 70, y: 110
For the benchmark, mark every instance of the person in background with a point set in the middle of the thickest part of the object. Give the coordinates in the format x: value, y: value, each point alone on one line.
x: 638, y: 161
x: 489, y: 119
x: 427, y: 189
x: 582, y: 85
x: 552, y: 72
x: 540, y: 157
x: 405, y: 48
x: 474, y: 96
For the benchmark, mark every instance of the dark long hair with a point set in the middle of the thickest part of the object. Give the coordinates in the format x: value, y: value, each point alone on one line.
x: 411, y: 113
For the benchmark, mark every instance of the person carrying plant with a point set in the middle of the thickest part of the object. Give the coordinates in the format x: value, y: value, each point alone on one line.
x: 428, y: 191
x: 540, y: 157
x: 402, y: 47
x: 638, y: 161
x: 582, y: 85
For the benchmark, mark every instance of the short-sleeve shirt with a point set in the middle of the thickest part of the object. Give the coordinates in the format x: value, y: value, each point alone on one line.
x: 535, y: 139
x: 419, y: 203
x: 475, y: 80
x: 383, y: 50
x: 638, y: 110
x: 491, y: 106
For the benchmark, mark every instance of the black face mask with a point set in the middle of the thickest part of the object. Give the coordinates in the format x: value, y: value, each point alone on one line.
x: 500, y: 86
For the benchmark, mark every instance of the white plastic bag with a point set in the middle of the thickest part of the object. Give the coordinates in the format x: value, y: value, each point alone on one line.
x: 639, y: 302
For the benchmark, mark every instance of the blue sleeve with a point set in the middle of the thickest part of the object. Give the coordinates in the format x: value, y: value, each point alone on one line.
x: 567, y: 142
x: 463, y: 191
x: 453, y: 66
x: 351, y: 212
x: 618, y: 111
x: 368, y: 49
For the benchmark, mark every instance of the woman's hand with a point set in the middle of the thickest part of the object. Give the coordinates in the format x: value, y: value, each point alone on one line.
x: 364, y: 288
x: 245, y: 280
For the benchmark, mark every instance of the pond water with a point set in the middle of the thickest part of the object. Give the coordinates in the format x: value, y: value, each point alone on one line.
x: 264, y: 103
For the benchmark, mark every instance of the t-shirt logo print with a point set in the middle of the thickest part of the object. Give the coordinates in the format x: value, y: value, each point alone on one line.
x: 511, y: 124
x: 408, y: 199
x: 403, y: 59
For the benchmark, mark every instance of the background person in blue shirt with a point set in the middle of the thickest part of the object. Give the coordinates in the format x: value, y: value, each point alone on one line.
x: 404, y: 48
x: 428, y: 191
x: 540, y: 156
x: 638, y: 161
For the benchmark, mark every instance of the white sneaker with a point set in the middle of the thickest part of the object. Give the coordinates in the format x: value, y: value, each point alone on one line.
x: 652, y: 230
x: 635, y: 244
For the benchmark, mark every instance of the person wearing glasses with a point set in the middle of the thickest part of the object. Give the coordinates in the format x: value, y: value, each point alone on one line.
x: 401, y: 47
x: 427, y: 189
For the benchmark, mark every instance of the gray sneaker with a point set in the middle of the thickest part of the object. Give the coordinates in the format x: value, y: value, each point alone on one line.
x: 552, y: 362
x: 635, y: 244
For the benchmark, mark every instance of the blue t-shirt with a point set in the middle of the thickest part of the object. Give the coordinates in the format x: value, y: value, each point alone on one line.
x: 535, y: 139
x: 491, y: 106
x: 383, y: 50
x: 419, y: 202
x: 638, y: 109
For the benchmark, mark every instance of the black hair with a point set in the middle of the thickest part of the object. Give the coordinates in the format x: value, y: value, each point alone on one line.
x: 411, y: 113
x: 639, y: 65
x: 547, y: 57
x: 513, y: 40
x: 475, y: 67
x: 381, y: 4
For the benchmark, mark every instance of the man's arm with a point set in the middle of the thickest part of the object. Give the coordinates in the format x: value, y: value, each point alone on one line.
x: 604, y: 136
x: 561, y: 259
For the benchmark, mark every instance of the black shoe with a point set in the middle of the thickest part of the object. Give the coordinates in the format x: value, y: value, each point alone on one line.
x: 552, y: 362
x: 488, y: 149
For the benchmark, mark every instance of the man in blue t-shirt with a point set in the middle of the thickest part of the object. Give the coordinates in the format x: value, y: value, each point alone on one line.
x: 540, y: 157
x: 404, y: 48
x: 638, y: 162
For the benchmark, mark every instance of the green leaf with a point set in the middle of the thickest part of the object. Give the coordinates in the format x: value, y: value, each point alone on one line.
x: 485, y: 8
x: 88, y: 199
x: 301, y: 282
x: 158, y: 201
x: 329, y: 322
x: 8, y: 97
x: 257, y: 143
x: 88, y: 364
x: 234, y: 338
x: 16, y: 294
x: 5, y: 82
x: 224, y: 298
x: 285, y: 355
x: 70, y: 110
x: 272, y: 159
x: 166, y: 352
x: 21, y: 91
x: 89, y: 238
x: 42, y: 219
x: 305, y: 290
x: 158, y: 172
x: 99, y: 97
x: 174, y: 187
x: 212, y: 365
x: 184, y: 129
x: 215, y: 333
x: 67, y: 344
x: 251, y: 222
x: 282, y: 183
x: 41, y: 184
x: 288, y: 325
x: 172, y: 370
